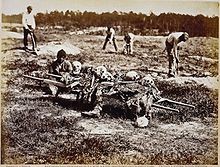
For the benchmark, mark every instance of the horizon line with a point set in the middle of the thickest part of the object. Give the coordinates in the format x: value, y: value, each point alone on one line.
x: 126, y: 12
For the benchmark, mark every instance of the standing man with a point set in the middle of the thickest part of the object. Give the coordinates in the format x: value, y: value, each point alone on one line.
x: 172, y: 42
x: 110, y: 38
x: 29, y: 25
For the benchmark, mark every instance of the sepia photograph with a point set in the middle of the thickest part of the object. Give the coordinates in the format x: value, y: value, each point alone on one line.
x: 109, y: 82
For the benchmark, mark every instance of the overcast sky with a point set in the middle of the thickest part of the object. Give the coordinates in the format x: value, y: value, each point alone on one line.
x: 207, y: 8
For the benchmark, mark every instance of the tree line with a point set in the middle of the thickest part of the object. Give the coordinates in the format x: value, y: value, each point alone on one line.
x: 138, y: 23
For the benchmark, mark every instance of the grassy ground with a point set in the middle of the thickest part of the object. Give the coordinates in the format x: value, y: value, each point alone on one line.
x: 38, y: 129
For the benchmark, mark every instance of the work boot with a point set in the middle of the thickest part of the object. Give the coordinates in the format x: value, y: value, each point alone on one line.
x: 26, y: 48
x: 53, y: 89
x: 95, y: 113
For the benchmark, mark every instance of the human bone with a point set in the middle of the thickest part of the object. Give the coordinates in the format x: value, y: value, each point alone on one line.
x: 147, y: 81
x: 53, y: 89
x: 142, y: 121
x: 36, y: 73
x: 77, y: 66
x: 100, y: 70
x: 131, y: 76
x: 107, y: 76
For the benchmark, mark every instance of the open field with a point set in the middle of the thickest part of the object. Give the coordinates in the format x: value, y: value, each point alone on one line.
x: 37, y: 129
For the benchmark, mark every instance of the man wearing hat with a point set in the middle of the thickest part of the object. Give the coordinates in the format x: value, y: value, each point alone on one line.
x: 62, y: 68
x: 61, y: 65
x: 172, y: 42
x: 29, y: 25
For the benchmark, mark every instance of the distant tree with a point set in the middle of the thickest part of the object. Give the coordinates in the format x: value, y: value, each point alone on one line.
x: 11, y: 18
x: 139, y: 23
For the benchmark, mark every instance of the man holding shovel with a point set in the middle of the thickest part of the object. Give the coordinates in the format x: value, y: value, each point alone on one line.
x: 110, y: 37
x: 172, y: 42
x: 29, y: 25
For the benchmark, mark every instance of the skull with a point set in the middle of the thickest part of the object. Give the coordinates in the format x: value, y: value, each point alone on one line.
x: 77, y: 66
x: 100, y: 70
x: 66, y: 78
x: 142, y: 122
x: 36, y: 73
x: 147, y: 81
x: 132, y: 76
x: 107, y: 76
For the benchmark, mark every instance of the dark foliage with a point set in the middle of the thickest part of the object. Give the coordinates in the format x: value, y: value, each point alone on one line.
x: 138, y: 23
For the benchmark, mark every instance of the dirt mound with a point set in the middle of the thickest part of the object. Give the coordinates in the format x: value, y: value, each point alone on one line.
x: 8, y: 34
x: 209, y: 82
x: 52, y: 48
x: 204, y: 59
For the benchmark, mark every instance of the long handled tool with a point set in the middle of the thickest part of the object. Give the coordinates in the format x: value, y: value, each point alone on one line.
x: 163, y: 107
x: 48, y: 81
x: 33, y: 42
x: 175, y: 102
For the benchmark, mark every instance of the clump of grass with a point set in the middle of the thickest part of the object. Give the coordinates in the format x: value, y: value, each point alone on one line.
x: 204, y: 99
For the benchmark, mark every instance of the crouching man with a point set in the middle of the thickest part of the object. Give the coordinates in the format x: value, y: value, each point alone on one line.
x: 128, y: 46
x: 60, y: 67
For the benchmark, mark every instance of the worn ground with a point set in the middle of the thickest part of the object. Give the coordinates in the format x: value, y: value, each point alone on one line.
x: 36, y: 128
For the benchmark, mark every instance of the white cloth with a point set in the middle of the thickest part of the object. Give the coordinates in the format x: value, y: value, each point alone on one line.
x: 28, y: 19
x: 142, y: 122
x: 112, y: 33
x: 173, y: 37
x: 131, y: 35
